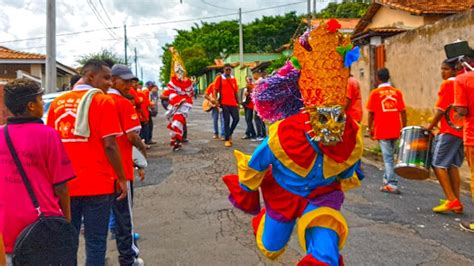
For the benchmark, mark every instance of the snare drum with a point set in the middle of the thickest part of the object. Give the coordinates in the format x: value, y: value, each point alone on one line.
x: 413, y: 160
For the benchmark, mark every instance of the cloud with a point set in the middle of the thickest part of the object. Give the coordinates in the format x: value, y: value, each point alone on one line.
x: 24, y: 19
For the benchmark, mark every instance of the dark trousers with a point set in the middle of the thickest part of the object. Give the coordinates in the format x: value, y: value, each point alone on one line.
x: 145, y: 132
x: 94, y: 211
x: 261, y: 128
x: 250, y: 132
x: 150, y: 129
x: 230, y: 111
x: 126, y: 246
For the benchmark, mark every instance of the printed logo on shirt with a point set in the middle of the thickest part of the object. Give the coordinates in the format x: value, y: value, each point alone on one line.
x: 65, y: 122
x: 134, y: 117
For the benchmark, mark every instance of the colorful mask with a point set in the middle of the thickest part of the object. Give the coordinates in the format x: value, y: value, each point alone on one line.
x: 323, y: 81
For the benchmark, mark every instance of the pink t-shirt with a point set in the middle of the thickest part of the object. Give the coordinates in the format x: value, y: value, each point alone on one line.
x: 46, y: 164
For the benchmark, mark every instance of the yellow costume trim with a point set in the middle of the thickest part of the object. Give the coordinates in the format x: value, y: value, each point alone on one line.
x: 259, y: 238
x: 279, y: 152
x: 323, y: 217
x: 350, y: 183
x: 332, y: 168
x: 250, y: 177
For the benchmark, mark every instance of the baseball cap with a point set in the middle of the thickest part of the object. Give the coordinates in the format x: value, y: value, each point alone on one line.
x: 150, y: 83
x: 122, y: 71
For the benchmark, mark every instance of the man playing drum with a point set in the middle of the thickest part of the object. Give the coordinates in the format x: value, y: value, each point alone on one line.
x: 387, y: 117
x: 447, y: 148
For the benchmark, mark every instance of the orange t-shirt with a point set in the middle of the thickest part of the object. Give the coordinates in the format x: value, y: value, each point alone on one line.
x: 386, y: 103
x: 210, y: 90
x: 445, y: 99
x: 144, y: 105
x: 464, y: 97
x: 95, y: 174
x: 353, y: 94
x: 228, y: 88
x: 129, y: 122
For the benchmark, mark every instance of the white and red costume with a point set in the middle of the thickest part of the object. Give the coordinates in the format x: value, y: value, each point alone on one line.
x: 180, y: 93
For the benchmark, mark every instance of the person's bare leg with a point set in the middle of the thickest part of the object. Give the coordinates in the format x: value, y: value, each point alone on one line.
x: 455, y: 180
x: 444, y: 181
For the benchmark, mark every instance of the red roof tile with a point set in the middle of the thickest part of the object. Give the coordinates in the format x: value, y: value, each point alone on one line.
x: 6, y: 53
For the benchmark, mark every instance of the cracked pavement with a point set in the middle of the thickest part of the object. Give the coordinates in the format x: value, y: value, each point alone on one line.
x: 184, y: 218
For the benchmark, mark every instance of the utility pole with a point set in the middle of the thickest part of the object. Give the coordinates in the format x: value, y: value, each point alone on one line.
x: 241, y: 40
x: 309, y: 13
x: 125, y: 39
x: 314, y: 8
x: 136, y: 60
x: 50, y: 46
x: 141, y: 73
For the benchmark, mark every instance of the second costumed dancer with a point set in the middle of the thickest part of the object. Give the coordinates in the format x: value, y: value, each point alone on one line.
x: 311, y: 155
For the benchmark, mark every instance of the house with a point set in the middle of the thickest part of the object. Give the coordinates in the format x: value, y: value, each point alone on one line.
x: 16, y: 64
x: 347, y: 24
x: 251, y: 60
x: 408, y: 38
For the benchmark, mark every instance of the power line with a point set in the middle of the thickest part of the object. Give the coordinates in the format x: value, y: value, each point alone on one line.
x: 209, y: 4
x: 157, y: 23
x: 106, y: 12
x: 100, y: 18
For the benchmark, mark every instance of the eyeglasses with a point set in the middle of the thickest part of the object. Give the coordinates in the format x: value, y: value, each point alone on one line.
x: 227, y: 69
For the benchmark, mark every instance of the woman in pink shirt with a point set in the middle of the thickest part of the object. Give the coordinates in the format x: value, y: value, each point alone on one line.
x: 43, y: 157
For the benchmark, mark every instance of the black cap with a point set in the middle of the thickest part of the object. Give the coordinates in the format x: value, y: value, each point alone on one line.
x: 122, y: 71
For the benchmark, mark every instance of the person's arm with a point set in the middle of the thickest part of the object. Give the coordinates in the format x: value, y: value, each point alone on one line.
x: 62, y: 192
x: 113, y: 154
x: 438, y: 115
x: 136, y: 141
x: 3, y: 259
x: 404, y: 118
x: 370, y: 126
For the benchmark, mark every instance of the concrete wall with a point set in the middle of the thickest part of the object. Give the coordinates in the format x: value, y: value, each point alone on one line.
x: 386, y: 17
x: 414, y: 59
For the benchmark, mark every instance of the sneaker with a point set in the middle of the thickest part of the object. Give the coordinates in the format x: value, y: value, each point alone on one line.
x: 390, y: 189
x: 253, y: 139
x: 177, y: 146
x: 153, y: 142
x: 185, y: 141
x: 456, y: 211
x: 467, y: 226
x: 246, y: 137
x: 260, y: 139
x: 222, y: 138
x: 215, y: 136
x: 447, y: 206
x: 228, y: 143
x: 138, y: 262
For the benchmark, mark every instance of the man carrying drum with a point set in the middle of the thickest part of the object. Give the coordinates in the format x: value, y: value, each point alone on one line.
x: 447, y: 147
x: 387, y: 116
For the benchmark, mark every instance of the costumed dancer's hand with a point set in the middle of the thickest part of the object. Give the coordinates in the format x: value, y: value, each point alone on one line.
x: 122, y: 189
x: 141, y: 174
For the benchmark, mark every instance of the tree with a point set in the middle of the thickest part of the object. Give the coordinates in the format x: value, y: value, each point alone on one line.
x: 349, y: 9
x: 104, y: 55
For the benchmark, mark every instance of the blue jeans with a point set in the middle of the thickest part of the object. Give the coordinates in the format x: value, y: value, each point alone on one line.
x: 215, y: 120
x: 95, y: 211
x: 230, y: 112
x: 221, y: 114
x: 388, y: 148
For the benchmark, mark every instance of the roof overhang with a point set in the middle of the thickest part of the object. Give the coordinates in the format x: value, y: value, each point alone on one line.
x: 63, y: 67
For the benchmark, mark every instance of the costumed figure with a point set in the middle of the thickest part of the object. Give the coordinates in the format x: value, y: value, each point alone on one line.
x: 179, y: 93
x: 311, y: 155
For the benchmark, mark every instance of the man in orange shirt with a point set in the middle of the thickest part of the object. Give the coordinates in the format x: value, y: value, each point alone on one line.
x: 464, y: 102
x: 226, y: 87
x: 447, y: 147
x: 130, y: 124
x: 353, y: 105
x: 88, y: 124
x: 387, y: 116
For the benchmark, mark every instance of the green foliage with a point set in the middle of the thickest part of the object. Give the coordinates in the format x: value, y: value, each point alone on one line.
x: 276, y: 64
x: 104, y: 55
x: 351, y: 9
x: 203, y: 43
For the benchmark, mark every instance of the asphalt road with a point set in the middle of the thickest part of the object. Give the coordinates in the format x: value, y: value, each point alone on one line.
x: 184, y: 217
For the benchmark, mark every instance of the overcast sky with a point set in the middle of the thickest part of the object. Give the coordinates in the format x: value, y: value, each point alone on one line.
x: 150, y: 24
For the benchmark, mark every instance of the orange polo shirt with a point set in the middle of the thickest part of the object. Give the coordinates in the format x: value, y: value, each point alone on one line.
x: 95, y: 175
